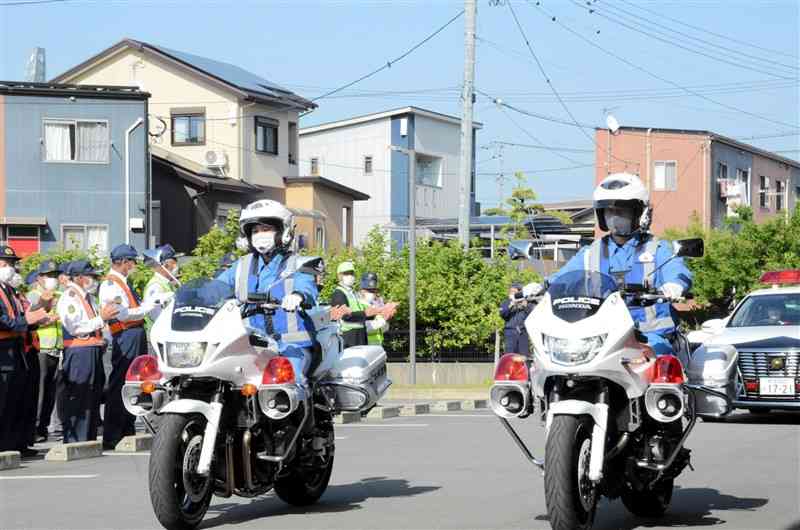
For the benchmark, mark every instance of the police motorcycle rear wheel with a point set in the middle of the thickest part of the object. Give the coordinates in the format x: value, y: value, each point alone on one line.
x: 308, y: 477
x: 180, y: 497
x: 570, y: 496
x: 651, y: 502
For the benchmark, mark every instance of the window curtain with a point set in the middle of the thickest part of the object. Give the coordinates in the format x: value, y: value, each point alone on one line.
x: 92, y: 142
x: 57, y: 141
x: 97, y: 236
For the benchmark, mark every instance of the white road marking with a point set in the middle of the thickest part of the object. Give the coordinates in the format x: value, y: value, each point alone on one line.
x: 35, y: 477
x: 342, y: 437
x: 114, y: 453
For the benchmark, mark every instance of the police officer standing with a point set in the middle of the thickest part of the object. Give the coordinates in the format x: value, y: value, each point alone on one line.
x: 162, y: 285
x: 83, y: 375
x: 14, y: 323
x: 44, y: 294
x: 353, y: 325
x: 128, y: 340
x: 369, y: 297
x: 514, y: 310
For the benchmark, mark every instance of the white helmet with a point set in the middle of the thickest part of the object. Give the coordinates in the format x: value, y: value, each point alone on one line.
x: 268, y: 212
x: 623, y: 190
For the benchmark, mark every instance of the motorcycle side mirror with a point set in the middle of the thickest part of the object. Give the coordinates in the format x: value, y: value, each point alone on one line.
x: 257, y: 298
x: 689, y: 248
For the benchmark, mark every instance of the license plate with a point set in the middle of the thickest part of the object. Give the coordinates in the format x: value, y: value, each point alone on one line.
x: 776, y: 386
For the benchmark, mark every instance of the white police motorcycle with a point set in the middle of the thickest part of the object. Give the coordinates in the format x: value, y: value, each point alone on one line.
x: 233, y: 417
x: 614, y: 413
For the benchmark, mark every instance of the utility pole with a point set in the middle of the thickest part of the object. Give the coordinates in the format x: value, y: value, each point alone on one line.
x: 468, y: 95
x: 412, y: 260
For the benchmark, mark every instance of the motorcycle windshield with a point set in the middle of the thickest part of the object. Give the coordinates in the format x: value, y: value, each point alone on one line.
x: 197, y: 302
x: 579, y: 294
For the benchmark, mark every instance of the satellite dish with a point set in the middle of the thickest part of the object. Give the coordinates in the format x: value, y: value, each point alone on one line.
x: 612, y: 124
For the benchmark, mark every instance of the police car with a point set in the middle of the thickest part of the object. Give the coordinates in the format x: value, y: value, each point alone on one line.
x: 753, y: 355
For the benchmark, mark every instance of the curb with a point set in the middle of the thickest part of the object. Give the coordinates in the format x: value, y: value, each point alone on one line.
x: 446, y: 406
x: 475, y: 404
x: 347, y: 417
x: 416, y: 409
x: 9, y: 460
x: 74, y: 451
x: 137, y: 443
x: 382, y: 413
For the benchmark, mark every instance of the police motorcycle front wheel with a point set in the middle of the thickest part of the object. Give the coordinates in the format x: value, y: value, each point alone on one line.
x: 180, y: 497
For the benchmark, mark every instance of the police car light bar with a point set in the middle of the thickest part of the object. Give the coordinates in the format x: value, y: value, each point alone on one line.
x: 786, y: 277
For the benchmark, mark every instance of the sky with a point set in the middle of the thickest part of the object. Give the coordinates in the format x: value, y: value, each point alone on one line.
x: 665, y: 61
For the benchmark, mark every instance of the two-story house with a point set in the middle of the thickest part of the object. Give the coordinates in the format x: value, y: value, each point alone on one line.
x: 702, y: 173
x: 73, y: 166
x: 358, y: 153
x: 221, y: 136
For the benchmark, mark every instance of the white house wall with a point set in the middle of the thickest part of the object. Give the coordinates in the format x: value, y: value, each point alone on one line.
x: 341, y: 155
x: 438, y: 138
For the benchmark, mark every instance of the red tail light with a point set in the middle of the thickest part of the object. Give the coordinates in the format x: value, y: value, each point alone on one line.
x: 143, y: 368
x: 279, y: 371
x: 668, y: 369
x: 511, y: 367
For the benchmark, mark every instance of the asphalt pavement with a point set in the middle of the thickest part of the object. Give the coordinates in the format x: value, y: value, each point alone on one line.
x: 454, y: 470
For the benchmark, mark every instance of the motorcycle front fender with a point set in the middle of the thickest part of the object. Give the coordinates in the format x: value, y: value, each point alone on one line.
x: 599, y: 413
x: 212, y: 412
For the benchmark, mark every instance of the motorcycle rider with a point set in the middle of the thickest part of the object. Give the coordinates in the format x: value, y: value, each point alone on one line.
x: 270, y: 267
x: 622, y: 207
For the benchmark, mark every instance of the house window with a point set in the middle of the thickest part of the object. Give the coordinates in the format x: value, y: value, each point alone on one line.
x: 85, y: 237
x: 368, y: 165
x: 224, y: 210
x: 84, y: 141
x: 266, y: 135
x: 319, y: 237
x: 23, y: 239
x: 763, y: 190
x: 293, y: 143
x: 347, y: 221
x: 666, y: 176
x: 315, y: 167
x: 780, y: 190
x: 722, y: 171
x: 188, y: 126
x: 429, y: 170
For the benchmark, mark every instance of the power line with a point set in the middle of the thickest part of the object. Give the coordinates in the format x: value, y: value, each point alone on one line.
x: 726, y: 49
x: 706, y: 30
x: 660, y: 78
x: 533, y: 137
x: 546, y: 147
x: 681, y: 46
x: 391, y: 62
x: 31, y: 2
x: 551, y: 86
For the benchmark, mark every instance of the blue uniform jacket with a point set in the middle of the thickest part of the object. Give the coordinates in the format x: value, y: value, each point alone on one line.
x: 630, y: 257
x: 265, y: 280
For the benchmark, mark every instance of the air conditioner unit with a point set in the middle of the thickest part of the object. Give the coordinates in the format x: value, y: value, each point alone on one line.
x: 216, y: 159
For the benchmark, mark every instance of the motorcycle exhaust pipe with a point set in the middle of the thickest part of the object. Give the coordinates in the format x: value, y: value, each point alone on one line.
x: 664, y: 403
x: 510, y: 400
x: 247, y: 460
x: 281, y: 401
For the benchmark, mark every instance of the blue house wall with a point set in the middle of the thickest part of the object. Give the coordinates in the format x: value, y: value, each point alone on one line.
x: 735, y: 159
x: 68, y: 193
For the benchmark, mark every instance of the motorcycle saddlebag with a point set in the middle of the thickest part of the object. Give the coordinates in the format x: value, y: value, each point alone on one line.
x: 713, y: 367
x: 357, y: 379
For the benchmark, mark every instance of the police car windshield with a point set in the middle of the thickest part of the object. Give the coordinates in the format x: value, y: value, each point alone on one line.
x: 579, y: 294
x: 210, y: 294
x: 768, y: 310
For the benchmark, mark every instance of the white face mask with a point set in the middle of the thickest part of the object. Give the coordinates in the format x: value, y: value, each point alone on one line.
x: 49, y: 283
x: 368, y: 297
x: 6, y: 273
x: 263, y: 242
x: 348, y: 280
x: 15, y: 281
x: 91, y: 287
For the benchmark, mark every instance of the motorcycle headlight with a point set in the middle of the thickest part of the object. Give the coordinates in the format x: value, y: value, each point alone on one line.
x: 185, y: 354
x: 572, y: 350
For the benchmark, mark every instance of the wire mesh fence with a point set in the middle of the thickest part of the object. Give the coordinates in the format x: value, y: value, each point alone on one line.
x: 396, y: 344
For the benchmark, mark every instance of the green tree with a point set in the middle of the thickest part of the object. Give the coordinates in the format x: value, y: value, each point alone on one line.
x: 210, y: 249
